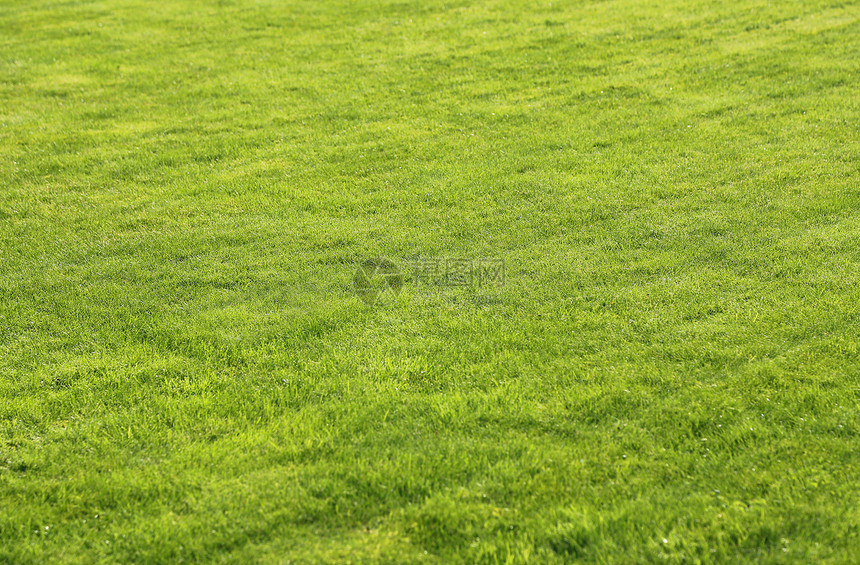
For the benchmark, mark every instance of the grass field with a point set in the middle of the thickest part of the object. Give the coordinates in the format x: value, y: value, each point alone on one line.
x: 669, y: 374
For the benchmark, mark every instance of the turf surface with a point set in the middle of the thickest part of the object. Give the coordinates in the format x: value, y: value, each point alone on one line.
x: 669, y: 374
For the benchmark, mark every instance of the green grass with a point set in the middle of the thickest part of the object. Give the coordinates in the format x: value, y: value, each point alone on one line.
x: 671, y: 373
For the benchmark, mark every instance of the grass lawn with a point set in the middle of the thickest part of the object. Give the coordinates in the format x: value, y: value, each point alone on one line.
x: 670, y: 372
